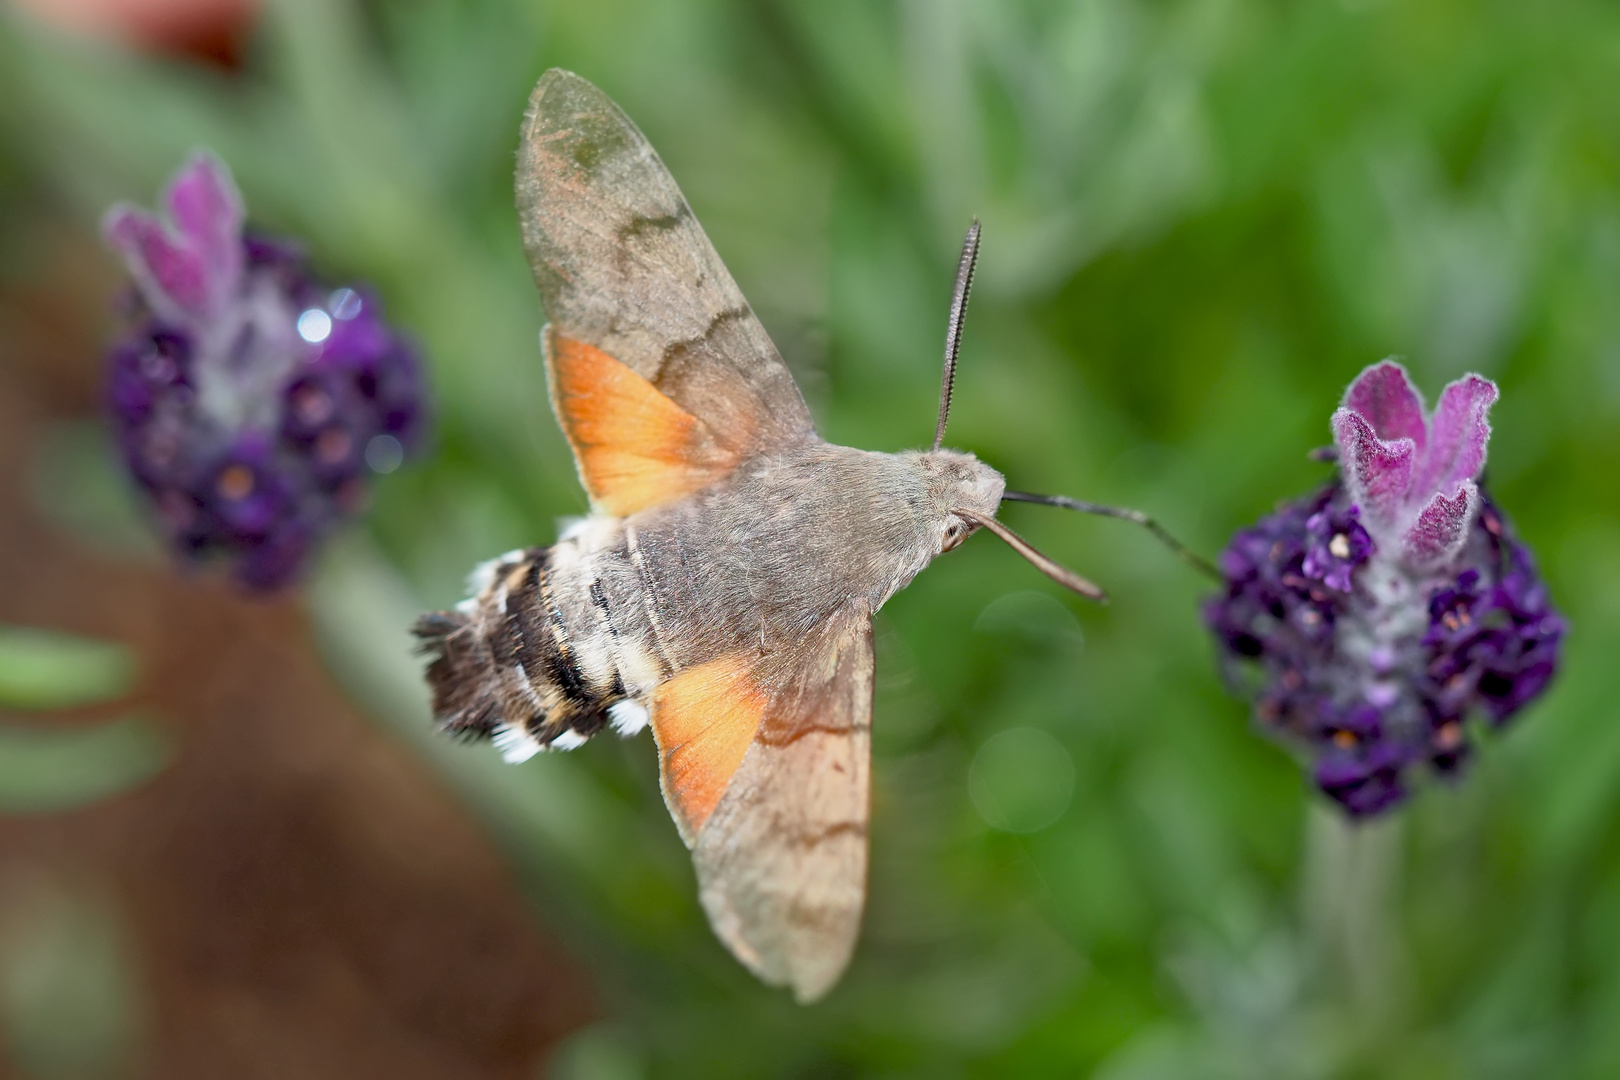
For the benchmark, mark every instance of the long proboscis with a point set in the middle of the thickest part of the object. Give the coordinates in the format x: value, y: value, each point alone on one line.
x: 1052, y: 569
x: 1182, y: 551
x: 953, y: 328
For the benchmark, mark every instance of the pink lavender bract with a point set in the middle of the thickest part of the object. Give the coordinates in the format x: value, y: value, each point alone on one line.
x: 251, y: 404
x: 1378, y: 616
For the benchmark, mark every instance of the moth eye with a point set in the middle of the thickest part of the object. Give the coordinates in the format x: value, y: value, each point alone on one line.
x: 955, y: 533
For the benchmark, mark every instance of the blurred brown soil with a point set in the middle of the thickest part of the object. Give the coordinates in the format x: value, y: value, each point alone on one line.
x: 212, y: 31
x: 304, y: 896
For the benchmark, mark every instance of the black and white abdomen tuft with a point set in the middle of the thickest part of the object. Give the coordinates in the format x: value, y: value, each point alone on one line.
x: 535, y: 659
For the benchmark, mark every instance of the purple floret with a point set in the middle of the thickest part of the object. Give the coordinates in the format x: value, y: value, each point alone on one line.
x: 1370, y: 648
x: 251, y: 403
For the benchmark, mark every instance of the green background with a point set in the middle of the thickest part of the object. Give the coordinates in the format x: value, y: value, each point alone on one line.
x: 1200, y: 221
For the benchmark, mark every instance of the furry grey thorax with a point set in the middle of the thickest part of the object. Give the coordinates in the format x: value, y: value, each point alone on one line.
x: 794, y: 536
x: 558, y: 639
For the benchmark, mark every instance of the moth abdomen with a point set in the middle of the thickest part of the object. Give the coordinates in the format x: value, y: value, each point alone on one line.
x: 516, y: 663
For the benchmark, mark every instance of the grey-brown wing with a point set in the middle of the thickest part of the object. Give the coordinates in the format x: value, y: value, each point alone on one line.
x: 622, y: 264
x: 781, y: 862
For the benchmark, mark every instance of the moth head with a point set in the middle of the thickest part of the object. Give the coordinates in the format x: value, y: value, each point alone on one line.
x: 956, y: 481
x: 963, y: 494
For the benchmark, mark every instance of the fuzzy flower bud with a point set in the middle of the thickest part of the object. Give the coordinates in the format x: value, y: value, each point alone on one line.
x: 1378, y: 615
x: 250, y: 403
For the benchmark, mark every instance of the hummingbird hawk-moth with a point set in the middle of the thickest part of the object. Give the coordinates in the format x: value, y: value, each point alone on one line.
x: 722, y: 589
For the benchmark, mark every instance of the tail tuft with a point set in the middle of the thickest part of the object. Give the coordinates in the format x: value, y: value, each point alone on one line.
x: 461, y: 674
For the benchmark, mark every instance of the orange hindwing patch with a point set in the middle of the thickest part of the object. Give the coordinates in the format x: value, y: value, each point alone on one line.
x: 635, y: 447
x: 704, y: 720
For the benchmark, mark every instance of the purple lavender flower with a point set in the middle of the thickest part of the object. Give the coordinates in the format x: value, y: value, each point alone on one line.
x: 1378, y: 615
x: 250, y: 403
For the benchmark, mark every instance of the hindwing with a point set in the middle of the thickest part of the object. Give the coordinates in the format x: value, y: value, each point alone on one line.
x: 766, y: 768
x: 634, y: 446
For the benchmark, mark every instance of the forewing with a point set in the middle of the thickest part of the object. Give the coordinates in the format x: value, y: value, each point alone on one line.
x: 781, y: 852
x: 623, y: 265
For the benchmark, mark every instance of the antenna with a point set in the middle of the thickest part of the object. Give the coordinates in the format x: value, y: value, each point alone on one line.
x: 1058, y: 573
x: 1182, y: 551
x: 953, y: 328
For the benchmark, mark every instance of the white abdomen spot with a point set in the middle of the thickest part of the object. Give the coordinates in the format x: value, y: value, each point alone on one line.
x: 515, y: 744
x: 628, y: 717
x: 568, y: 740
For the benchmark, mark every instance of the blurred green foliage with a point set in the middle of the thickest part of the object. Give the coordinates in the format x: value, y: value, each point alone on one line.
x: 1201, y: 219
x: 51, y: 768
x: 68, y: 1001
x: 42, y: 771
x: 43, y: 670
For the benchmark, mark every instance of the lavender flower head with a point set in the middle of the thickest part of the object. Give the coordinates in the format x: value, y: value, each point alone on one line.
x: 250, y: 403
x: 1381, y: 613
